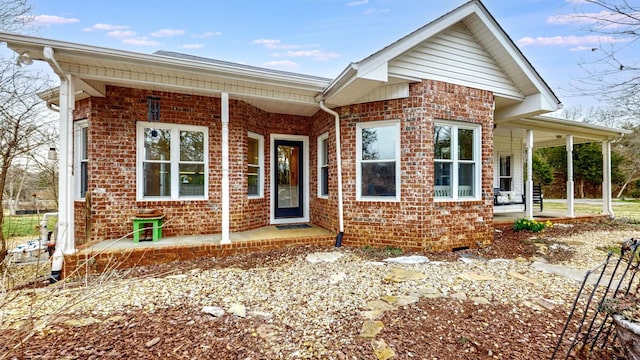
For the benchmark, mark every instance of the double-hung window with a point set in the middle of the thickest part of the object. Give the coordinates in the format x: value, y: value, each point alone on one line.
x: 323, y: 165
x: 457, y: 159
x: 172, y: 161
x: 255, y: 165
x: 378, y: 161
x: 81, y: 155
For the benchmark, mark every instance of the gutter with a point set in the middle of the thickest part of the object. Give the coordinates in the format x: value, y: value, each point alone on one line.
x: 339, y: 172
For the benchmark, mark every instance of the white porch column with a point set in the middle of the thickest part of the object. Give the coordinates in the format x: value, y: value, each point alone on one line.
x: 225, y: 168
x: 529, y: 183
x: 607, y: 207
x: 570, y: 185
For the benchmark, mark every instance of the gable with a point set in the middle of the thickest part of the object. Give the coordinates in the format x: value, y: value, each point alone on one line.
x: 456, y: 57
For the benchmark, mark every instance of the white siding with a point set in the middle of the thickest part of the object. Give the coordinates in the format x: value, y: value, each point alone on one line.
x: 509, y: 145
x: 395, y: 91
x: 455, y: 56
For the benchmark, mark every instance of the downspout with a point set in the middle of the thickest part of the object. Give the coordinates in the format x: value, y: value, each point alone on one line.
x: 339, y: 172
x: 65, y: 244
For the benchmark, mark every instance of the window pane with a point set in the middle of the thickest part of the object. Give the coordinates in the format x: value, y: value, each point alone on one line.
x: 324, y: 177
x: 157, y: 144
x: 157, y: 179
x: 191, y: 179
x: 191, y: 146
x: 442, y: 179
x: 84, y: 178
x: 442, y: 142
x: 325, y: 152
x: 465, y: 144
x: 379, y: 179
x: 253, y: 151
x: 505, y: 165
x: 465, y: 180
x: 253, y: 180
x: 379, y: 143
x: 85, y: 138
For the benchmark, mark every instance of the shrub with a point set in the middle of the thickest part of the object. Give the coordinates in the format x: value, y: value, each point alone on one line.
x: 531, y: 225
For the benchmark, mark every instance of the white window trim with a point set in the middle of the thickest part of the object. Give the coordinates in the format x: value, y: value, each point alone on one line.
x: 366, y: 125
x: 260, y: 139
x: 477, y: 160
x: 321, y: 160
x: 175, y: 162
x: 78, y: 126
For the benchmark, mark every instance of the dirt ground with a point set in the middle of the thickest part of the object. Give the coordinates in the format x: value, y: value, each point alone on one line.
x: 430, y: 329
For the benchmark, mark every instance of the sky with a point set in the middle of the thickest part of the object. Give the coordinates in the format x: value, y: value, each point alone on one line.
x: 316, y: 37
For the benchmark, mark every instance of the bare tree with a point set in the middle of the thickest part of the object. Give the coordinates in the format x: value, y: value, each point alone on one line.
x: 614, y: 70
x: 25, y: 124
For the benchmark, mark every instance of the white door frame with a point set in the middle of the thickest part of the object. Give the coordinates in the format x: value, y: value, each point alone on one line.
x: 305, y: 178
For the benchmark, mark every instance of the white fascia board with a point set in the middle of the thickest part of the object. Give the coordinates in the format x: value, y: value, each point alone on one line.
x: 591, y: 128
x: 34, y: 46
x: 532, y: 105
x: 379, y: 73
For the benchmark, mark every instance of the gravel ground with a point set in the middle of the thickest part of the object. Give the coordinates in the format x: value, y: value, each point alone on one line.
x: 280, y: 305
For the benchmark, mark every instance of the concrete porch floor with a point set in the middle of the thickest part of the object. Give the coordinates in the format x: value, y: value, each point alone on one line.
x: 551, y: 215
x: 263, y: 233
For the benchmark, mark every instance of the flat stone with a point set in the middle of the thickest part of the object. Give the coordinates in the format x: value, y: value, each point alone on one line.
x: 372, y: 314
x: 268, y: 332
x: 459, y: 296
x: 476, y: 276
x: 323, y: 257
x: 499, y: 260
x: 427, y: 292
x: 371, y: 328
x: 382, y: 350
x: 336, y: 278
x: 568, y: 272
x: 152, y: 342
x: 260, y: 315
x: 401, y: 300
x: 479, y: 300
x: 82, y: 322
x: 238, y: 310
x: 545, y: 303
x: 379, y: 305
x: 413, y: 259
x: 213, y: 311
x: 517, y: 275
x: 400, y: 275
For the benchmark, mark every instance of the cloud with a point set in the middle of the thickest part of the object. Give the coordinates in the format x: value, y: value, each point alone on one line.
x: 316, y: 54
x: 602, y: 18
x: 357, y: 3
x: 283, y: 64
x: 47, y: 20
x: 374, y: 11
x: 192, y: 46
x: 167, y: 32
x: 106, y: 27
x: 208, y: 34
x: 141, y: 42
x: 569, y: 40
x: 277, y: 45
x: 119, y: 34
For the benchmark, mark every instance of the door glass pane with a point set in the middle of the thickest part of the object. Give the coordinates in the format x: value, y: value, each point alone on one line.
x: 157, y: 144
x: 442, y: 142
x: 288, y: 176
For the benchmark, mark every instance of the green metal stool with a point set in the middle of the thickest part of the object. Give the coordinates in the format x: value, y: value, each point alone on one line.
x: 138, y: 226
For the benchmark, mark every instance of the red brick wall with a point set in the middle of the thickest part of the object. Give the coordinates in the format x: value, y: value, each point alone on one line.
x: 416, y: 221
x: 112, y: 162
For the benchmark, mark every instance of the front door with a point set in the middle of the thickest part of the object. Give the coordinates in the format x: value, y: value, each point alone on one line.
x: 288, y: 181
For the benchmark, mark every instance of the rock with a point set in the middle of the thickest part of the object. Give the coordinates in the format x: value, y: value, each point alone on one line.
x: 323, y: 257
x: 238, y: 310
x: 476, y: 276
x: 519, y: 276
x: 459, y: 296
x: 545, y: 303
x: 82, y: 322
x: 260, y: 315
x: 499, y: 260
x: 371, y: 328
x: 336, y: 278
x: 382, y: 350
x: 414, y: 259
x: 379, y: 305
x: 268, y: 332
x: 372, y: 314
x: 427, y: 292
x: 213, y: 311
x: 401, y: 300
x: 152, y: 342
x: 400, y: 275
x: 479, y: 300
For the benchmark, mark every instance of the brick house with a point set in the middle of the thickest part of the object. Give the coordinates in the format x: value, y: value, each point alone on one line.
x: 404, y: 148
